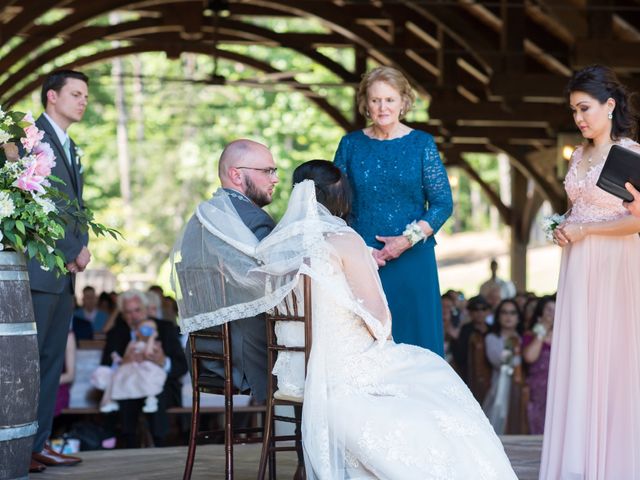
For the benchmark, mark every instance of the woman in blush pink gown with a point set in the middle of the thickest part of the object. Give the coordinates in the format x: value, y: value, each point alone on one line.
x: 592, y: 425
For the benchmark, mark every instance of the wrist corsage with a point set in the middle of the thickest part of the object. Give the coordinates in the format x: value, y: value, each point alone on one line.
x: 539, y: 330
x: 414, y: 233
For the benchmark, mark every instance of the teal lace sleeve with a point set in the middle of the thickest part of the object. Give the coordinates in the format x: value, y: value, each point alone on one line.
x: 436, y: 188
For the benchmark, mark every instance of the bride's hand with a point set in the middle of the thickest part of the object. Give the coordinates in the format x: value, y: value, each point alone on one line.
x: 375, y: 253
x: 393, y: 246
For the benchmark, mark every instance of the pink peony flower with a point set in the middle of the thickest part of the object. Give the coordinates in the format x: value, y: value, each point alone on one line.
x: 45, y: 159
x: 34, y: 135
x: 29, y: 181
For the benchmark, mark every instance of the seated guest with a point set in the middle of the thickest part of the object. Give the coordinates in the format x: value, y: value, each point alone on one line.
x: 134, y: 376
x: 88, y: 319
x: 169, y: 356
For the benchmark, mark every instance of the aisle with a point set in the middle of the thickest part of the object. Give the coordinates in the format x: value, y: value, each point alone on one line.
x: 167, y: 463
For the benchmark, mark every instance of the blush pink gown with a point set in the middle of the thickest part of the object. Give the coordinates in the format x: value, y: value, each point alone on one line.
x: 592, y: 425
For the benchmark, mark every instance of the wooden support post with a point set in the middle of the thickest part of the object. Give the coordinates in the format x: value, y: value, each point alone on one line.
x: 360, y: 69
x: 519, y: 231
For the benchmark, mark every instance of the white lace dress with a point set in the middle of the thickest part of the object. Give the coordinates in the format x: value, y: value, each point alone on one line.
x: 397, y: 411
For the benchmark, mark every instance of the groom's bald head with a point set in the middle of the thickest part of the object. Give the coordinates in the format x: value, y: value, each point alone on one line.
x: 244, y: 166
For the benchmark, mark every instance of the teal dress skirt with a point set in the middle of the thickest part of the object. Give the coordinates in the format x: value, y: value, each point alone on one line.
x: 395, y: 182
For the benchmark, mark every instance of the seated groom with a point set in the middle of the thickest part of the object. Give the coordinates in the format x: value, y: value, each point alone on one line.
x: 248, y: 175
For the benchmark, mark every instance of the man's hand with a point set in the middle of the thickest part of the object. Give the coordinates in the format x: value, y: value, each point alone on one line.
x: 156, y: 356
x: 393, y: 246
x: 72, y: 267
x: 83, y: 259
x: 634, y: 206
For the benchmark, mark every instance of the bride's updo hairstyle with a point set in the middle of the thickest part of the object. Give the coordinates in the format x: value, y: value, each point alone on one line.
x: 601, y: 83
x: 332, y: 187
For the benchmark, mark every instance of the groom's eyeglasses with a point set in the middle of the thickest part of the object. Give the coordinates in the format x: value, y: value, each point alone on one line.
x: 269, y: 171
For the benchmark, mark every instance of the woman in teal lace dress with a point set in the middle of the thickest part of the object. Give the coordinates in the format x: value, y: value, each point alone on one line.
x: 401, y: 197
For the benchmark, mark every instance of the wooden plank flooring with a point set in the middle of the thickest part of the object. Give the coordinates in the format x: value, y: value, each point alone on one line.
x: 168, y: 463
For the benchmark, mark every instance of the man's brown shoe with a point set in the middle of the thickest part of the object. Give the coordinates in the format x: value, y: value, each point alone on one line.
x: 51, y: 458
x: 36, y: 467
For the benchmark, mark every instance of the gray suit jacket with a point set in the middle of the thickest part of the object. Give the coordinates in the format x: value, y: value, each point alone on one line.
x: 248, y: 335
x: 74, y: 239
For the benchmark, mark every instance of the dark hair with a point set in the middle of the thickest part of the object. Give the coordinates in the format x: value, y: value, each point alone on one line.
x: 601, y: 83
x: 542, y: 302
x: 56, y: 80
x: 496, y: 327
x: 88, y: 288
x: 332, y: 186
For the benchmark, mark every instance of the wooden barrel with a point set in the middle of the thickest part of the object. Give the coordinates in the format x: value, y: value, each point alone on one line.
x: 19, y: 368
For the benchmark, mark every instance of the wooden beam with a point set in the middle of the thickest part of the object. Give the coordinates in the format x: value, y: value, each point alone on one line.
x: 512, y: 35
x: 617, y: 54
x: 600, y: 19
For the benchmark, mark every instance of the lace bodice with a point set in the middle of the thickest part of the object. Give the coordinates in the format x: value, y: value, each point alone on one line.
x: 589, y: 202
x: 394, y: 182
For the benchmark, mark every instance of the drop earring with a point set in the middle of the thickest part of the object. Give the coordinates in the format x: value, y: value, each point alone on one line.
x: 610, y: 115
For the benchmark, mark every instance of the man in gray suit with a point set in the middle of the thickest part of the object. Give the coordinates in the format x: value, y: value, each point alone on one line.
x: 248, y: 174
x: 64, y: 98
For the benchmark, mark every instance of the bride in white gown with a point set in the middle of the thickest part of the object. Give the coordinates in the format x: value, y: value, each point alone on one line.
x: 372, y: 408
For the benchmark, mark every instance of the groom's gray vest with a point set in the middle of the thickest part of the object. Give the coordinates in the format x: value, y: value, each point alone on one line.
x: 248, y: 335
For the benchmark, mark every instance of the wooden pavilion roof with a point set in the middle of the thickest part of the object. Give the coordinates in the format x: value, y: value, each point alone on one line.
x: 494, y: 70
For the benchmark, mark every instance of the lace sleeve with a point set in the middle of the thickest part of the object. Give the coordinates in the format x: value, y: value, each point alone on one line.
x: 340, y: 158
x: 437, y: 190
x: 364, y: 282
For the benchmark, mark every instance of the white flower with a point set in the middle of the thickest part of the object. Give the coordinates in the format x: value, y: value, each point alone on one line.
x: 7, y: 207
x: 46, y: 204
x: 4, y: 137
x: 550, y: 223
x: 1, y: 237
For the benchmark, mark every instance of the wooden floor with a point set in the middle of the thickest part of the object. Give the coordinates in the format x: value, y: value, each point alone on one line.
x: 167, y: 463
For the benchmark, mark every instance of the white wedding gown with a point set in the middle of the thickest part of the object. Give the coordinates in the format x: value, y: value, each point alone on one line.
x: 397, y: 411
x: 372, y: 408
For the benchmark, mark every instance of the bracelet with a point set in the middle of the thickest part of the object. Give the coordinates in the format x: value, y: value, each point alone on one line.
x: 414, y: 233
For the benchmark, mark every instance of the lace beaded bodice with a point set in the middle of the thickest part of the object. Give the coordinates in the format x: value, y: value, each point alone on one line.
x: 589, y: 202
x: 394, y: 183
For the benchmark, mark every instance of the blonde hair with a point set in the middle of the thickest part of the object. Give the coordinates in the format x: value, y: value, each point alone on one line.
x: 392, y: 77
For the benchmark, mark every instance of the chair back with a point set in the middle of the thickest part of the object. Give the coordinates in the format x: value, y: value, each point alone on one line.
x: 295, y: 307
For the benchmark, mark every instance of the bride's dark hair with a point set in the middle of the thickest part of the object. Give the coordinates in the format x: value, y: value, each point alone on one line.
x: 332, y: 186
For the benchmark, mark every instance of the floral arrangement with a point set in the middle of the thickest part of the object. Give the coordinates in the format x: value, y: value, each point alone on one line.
x: 550, y: 223
x: 33, y: 212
